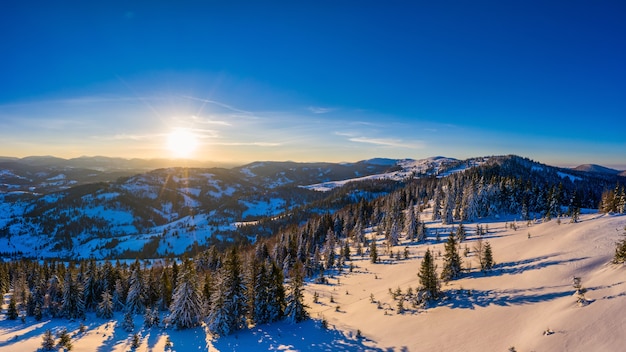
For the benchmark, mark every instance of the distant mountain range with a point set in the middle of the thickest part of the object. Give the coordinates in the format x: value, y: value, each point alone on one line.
x: 108, y: 207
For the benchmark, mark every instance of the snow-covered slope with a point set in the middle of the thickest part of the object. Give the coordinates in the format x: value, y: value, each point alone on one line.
x: 528, y: 293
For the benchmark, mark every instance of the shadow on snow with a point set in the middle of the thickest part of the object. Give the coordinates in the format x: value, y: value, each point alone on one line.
x: 307, y: 335
x: 469, y: 299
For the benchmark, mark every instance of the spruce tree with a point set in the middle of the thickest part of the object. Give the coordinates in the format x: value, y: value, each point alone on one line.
x: 90, y: 286
x: 186, y: 308
x: 487, y: 258
x: 373, y: 251
x: 451, y: 260
x: 12, y: 312
x: 428, y: 278
x: 295, y: 311
x: 136, y: 292
x: 207, y: 292
x: 165, y: 291
x: 276, y: 293
x: 54, y: 295
x: 65, y: 341
x: 411, y: 224
x: 73, y: 306
x: 261, y: 295
x: 460, y: 233
x: 229, y: 306
x: 620, y: 251
x: 105, y: 307
x: 48, y: 341
x: 129, y: 323
x: 346, y: 251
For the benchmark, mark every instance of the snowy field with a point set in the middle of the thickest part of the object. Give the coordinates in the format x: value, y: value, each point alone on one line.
x: 528, y: 293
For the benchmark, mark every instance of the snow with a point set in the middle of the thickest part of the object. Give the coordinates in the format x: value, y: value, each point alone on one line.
x: 267, y: 207
x: 248, y: 172
x: 409, y: 168
x: 108, y: 196
x: 571, y: 177
x: 529, y: 291
x: 57, y: 177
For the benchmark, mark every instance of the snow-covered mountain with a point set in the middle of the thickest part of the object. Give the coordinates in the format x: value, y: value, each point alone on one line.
x: 49, y: 211
x: 67, y: 212
x: 405, y: 169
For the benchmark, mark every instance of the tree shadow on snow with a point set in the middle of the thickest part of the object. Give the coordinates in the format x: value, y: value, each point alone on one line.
x: 470, y: 299
x: 520, y: 266
x: 23, y: 331
x: 305, y: 336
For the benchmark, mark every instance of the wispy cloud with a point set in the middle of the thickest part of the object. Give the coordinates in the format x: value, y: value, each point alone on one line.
x: 209, y: 121
x: 129, y: 137
x: 386, y: 142
x: 257, y: 144
x: 320, y: 110
x: 220, y: 104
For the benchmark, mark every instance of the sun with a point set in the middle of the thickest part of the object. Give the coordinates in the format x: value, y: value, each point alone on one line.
x: 182, y: 143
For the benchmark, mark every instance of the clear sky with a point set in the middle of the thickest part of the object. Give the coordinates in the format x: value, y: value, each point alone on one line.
x: 315, y: 80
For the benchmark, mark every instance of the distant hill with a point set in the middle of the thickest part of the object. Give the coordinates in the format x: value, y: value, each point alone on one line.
x: 598, y: 169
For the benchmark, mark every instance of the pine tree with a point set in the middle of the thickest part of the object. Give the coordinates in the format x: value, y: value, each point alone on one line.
x: 65, y: 341
x: 428, y: 278
x: 276, y: 293
x: 329, y: 250
x: 261, y: 295
x: 229, y: 306
x: 136, y: 294
x: 393, y: 236
x: 38, y: 313
x: 461, y: 233
x: 90, y: 286
x: 295, y: 311
x: 12, y: 312
x: 412, y: 224
x: 373, y: 251
x: 156, y: 320
x: 118, y: 297
x: 105, y: 307
x: 346, y: 251
x: 451, y: 260
x: 48, y: 341
x: 487, y: 258
x: 207, y: 292
x: 620, y: 251
x: 165, y: 291
x: 437, y: 202
x: 580, y: 291
x: 448, y: 205
x: 54, y: 297
x: 129, y: 323
x: 186, y: 308
x: 135, y: 341
x: 147, y: 318
x: 73, y: 306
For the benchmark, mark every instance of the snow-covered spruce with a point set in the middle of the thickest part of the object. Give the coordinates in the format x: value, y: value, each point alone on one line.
x: 186, y: 308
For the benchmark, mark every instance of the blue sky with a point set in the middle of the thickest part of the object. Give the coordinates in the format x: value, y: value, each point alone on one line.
x: 323, y: 81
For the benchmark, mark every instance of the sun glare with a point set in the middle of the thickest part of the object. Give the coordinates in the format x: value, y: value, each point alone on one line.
x: 182, y: 143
